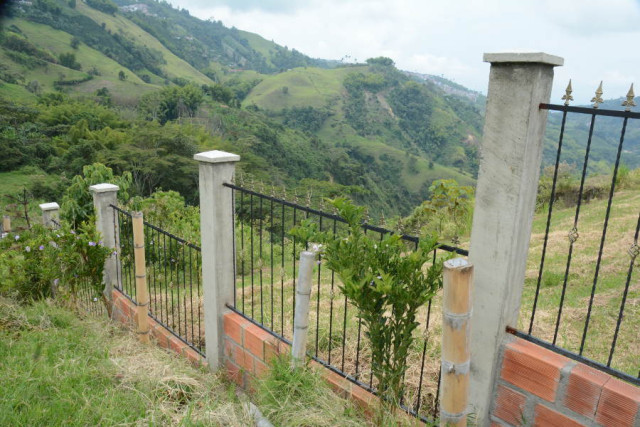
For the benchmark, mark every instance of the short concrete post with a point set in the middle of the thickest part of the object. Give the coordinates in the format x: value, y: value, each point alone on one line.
x: 301, y: 317
x: 510, y: 155
x: 216, y: 233
x: 50, y: 214
x: 6, y: 224
x: 105, y: 195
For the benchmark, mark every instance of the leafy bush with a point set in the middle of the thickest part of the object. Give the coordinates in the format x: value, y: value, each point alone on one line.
x: 387, y: 284
x: 40, y: 262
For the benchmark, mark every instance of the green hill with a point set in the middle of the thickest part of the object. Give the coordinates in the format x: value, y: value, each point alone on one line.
x: 367, y: 130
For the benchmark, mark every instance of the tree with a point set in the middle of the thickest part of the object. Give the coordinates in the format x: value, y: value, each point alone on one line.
x: 69, y: 60
x: 122, y: 76
x: 75, y: 42
x: 171, y: 103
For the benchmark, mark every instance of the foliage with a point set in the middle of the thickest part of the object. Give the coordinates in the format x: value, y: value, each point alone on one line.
x: 77, y: 202
x: 448, y: 212
x: 295, y: 397
x: 307, y: 119
x: 167, y: 210
x: 106, y: 6
x: 69, y: 60
x: 387, y: 284
x: 40, y: 262
x: 171, y: 103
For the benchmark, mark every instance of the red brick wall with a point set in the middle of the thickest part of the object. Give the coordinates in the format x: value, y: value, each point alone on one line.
x: 539, y: 387
x: 124, y: 311
x: 248, y: 349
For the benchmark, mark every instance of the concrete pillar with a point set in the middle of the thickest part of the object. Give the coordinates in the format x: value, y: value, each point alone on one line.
x: 50, y: 214
x: 105, y: 195
x: 510, y: 153
x: 216, y: 234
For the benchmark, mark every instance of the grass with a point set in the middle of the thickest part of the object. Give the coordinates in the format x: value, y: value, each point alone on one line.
x: 175, y: 67
x: 609, y: 287
x: 61, y: 369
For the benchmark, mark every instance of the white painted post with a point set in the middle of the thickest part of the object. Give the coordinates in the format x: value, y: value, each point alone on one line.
x: 510, y: 153
x: 50, y: 213
x: 301, y: 318
x: 216, y: 233
x: 105, y: 195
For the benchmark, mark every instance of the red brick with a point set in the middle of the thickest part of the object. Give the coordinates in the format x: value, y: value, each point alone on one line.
x: 546, y: 417
x: 233, y: 325
x: 233, y: 351
x: 259, y: 368
x: 584, y: 390
x: 532, y: 368
x: 245, y: 361
x: 254, y: 339
x: 270, y: 351
x: 192, y: 356
x: 176, y: 345
x: 509, y: 405
x: 619, y: 404
x: 161, y: 335
x: 234, y: 373
x: 365, y: 400
x: 340, y: 385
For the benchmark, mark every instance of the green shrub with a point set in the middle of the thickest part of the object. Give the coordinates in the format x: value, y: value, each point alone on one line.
x: 40, y: 262
x: 387, y: 284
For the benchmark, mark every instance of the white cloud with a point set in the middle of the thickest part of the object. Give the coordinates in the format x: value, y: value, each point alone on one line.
x: 595, y: 37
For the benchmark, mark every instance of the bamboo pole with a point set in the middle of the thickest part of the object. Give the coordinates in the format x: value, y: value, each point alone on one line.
x: 301, y: 318
x: 456, y: 306
x: 6, y: 224
x: 142, y: 294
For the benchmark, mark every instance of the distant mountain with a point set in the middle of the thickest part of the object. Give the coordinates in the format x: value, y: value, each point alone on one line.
x: 383, y: 134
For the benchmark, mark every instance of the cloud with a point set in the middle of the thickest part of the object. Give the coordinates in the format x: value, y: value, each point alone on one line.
x: 273, y: 6
x: 594, y: 37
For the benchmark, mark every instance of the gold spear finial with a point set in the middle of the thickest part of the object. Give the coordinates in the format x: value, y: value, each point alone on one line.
x: 629, y: 102
x: 597, y: 100
x: 567, y: 94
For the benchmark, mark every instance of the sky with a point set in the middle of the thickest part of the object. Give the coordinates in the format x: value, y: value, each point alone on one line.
x: 598, y: 39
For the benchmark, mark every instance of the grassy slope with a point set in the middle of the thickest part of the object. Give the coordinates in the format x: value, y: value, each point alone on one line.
x: 175, y: 67
x: 313, y: 87
x: 56, y: 42
x: 321, y: 88
x: 609, y: 287
x: 259, y: 44
x: 58, y: 370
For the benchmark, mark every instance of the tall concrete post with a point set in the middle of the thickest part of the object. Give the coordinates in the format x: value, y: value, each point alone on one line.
x: 510, y: 153
x: 50, y: 214
x: 216, y: 234
x: 105, y: 195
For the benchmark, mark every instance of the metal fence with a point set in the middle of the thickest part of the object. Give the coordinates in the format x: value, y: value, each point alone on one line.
x: 584, y: 293
x: 174, y: 278
x: 265, y: 280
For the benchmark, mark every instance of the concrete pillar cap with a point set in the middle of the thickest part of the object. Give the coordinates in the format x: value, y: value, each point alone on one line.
x: 103, y: 188
x: 49, y: 206
x: 530, y: 57
x: 216, y: 156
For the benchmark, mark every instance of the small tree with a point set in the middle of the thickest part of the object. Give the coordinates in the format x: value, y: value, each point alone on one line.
x: 386, y: 282
x: 122, y: 76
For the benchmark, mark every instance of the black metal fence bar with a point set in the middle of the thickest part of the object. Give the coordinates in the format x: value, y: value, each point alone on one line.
x: 588, y: 350
x: 123, y: 227
x: 267, y: 260
x: 174, y: 278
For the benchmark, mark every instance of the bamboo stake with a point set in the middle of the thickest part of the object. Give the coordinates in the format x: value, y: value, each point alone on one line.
x: 301, y: 319
x: 142, y: 294
x: 458, y: 279
x: 6, y: 224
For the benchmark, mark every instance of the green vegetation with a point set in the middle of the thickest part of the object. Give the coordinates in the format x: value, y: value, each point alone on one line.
x: 60, y: 369
x: 387, y: 286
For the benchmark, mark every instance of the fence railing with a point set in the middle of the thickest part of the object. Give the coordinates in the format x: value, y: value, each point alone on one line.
x: 174, y: 278
x: 264, y: 292
x: 584, y: 278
